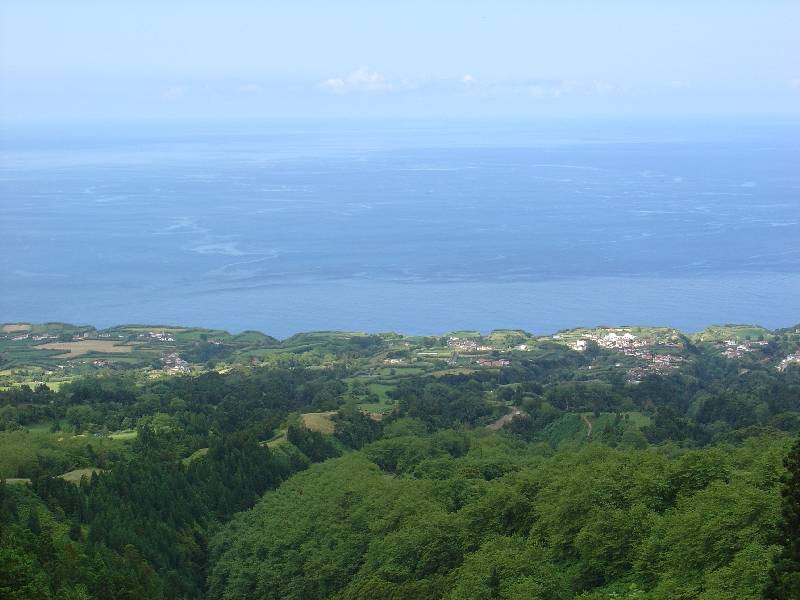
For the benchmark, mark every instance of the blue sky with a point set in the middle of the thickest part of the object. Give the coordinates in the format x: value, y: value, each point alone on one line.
x: 126, y: 59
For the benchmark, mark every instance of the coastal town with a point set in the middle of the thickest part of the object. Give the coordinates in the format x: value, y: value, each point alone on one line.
x: 735, y: 349
x: 60, y: 351
x: 654, y: 354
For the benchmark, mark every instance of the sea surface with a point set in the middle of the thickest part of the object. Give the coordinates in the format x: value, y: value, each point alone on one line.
x: 412, y: 226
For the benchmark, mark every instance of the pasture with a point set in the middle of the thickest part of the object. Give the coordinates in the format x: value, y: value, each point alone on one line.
x: 76, y: 475
x: 320, y: 421
x: 194, y: 456
x: 79, y: 348
x: 123, y: 435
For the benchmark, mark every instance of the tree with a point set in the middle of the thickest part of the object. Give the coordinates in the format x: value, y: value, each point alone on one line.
x: 20, y: 579
x: 785, y: 574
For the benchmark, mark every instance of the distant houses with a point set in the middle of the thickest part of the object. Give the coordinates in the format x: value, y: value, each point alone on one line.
x: 792, y: 359
x: 462, y: 344
x: 157, y: 336
x: 497, y: 363
x: 174, y: 363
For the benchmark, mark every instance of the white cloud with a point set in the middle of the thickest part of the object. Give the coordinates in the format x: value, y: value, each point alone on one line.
x: 795, y: 84
x: 361, y: 79
x: 175, y: 92
x: 467, y: 79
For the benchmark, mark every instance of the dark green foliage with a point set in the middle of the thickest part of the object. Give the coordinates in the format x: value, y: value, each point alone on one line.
x: 311, y: 443
x: 440, y: 405
x: 599, y: 521
x: 355, y: 429
x: 235, y: 472
x: 785, y: 576
x: 673, y: 494
x: 49, y: 563
x: 203, y: 351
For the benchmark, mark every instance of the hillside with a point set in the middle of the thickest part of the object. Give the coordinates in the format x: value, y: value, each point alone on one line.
x: 617, y: 462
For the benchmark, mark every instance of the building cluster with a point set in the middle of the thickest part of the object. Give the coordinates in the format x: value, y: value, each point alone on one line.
x: 467, y: 345
x: 157, y: 336
x: 659, y: 364
x: 173, y: 362
x: 620, y: 340
x: 792, y: 359
x: 393, y: 361
x: 734, y: 349
x: 16, y: 338
x: 497, y: 362
x: 579, y: 345
x: 644, y: 349
x: 40, y: 337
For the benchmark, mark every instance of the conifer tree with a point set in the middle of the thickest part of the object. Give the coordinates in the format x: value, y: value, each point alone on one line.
x: 785, y: 575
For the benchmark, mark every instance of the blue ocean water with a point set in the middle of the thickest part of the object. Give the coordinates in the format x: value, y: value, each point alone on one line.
x: 418, y: 227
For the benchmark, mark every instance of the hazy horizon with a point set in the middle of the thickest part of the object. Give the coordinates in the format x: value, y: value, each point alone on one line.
x: 214, y: 156
x: 85, y: 60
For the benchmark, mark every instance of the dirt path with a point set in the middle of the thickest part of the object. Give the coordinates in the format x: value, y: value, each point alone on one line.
x: 588, y: 425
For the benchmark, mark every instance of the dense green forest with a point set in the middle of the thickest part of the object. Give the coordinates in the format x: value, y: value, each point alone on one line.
x: 582, y: 465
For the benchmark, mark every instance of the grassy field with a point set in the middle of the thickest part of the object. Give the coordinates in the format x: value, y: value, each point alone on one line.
x: 75, y: 475
x: 43, y: 426
x: 15, y: 327
x: 465, y: 334
x: 73, y: 349
x: 380, y: 390
x: 378, y: 408
x: 154, y: 329
x: 399, y: 371
x: 195, y: 455
x: 276, y: 441
x: 320, y: 421
x: 453, y: 371
x: 124, y: 434
x: 740, y: 333
x: 504, y: 338
x: 53, y: 385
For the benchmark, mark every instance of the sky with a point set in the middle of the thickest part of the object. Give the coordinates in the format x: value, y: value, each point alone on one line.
x: 125, y: 59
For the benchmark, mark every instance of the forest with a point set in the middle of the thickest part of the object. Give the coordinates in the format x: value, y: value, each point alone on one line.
x: 343, y: 467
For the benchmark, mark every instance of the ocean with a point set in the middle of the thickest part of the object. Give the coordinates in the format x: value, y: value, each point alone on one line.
x: 418, y: 227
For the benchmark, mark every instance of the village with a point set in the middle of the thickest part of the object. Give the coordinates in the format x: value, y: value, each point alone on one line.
x: 466, y: 345
x: 735, y: 349
x: 173, y: 363
x: 640, y: 348
x: 641, y: 351
x: 156, y: 336
x: 470, y: 346
x: 792, y: 359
